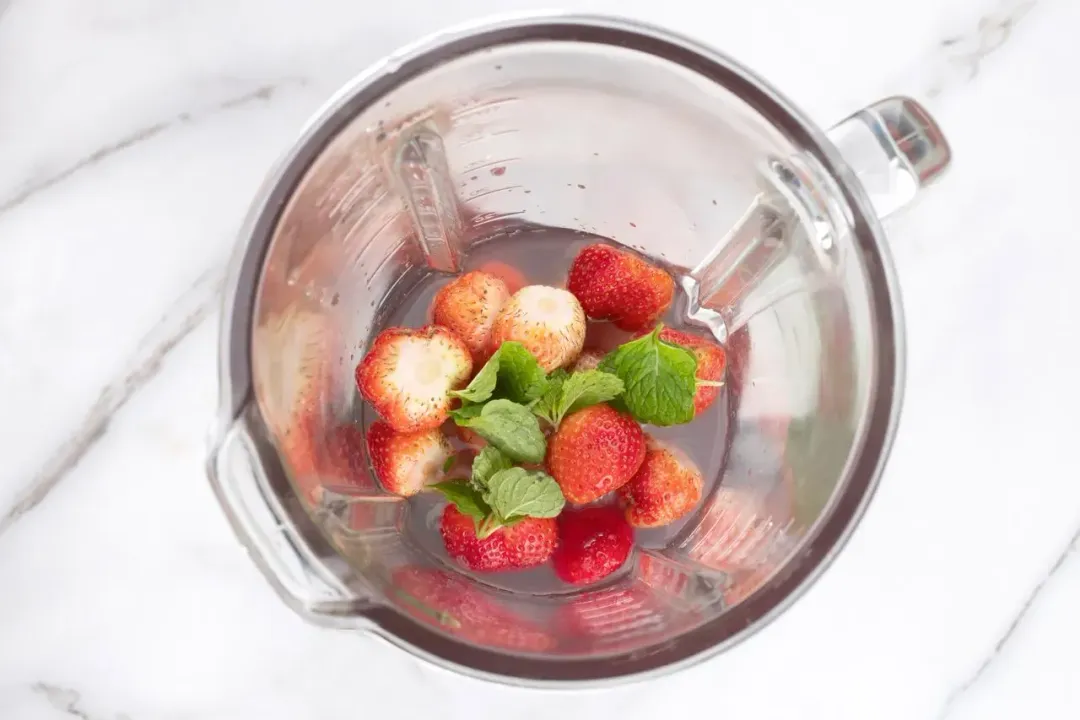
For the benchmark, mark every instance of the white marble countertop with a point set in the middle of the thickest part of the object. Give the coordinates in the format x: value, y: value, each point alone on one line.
x: 133, y: 134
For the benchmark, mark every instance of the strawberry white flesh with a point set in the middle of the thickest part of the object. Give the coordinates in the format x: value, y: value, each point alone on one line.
x: 548, y: 321
x: 408, y: 375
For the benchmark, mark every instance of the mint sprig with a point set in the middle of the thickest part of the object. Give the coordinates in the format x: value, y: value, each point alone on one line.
x: 659, y: 379
x: 487, y: 463
x: 519, y: 493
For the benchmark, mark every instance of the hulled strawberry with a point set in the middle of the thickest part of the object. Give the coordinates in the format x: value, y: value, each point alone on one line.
x: 593, y: 543
x: 595, y: 451
x: 619, y: 286
x: 406, y: 462
x: 408, y: 374
x: 548, y: 321
x: 589, y: 359
x: 711, y: 363
x: 467, y: 307
x: 666, y: 487
x: 527, y: 543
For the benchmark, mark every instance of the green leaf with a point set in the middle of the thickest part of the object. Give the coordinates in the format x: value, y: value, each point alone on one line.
x: 546, y: 404
x: 511, y: 428
x: 583, y: 389
x: 520, y: 377
x: 488, y: 462
x: 448, y: 463
x: 658, y: 377
x: 481, y: 386
x: 465, y: 413
x: 518, y: 493
x: 465, y: 498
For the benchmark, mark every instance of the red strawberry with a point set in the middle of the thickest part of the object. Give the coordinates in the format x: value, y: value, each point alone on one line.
x: 470, y: 437
x: 711, y: 363
x: 594, y: 451
x: 548, y: 321
x: 408, y: 374
x: 619, y: 286
x: 589, y: 359
x: 593, y: 543
x: 514, y: 278
x: 666, y: 487
x: 457, y: 606
x: 467, y: 307
x: 525, y: 544
x: 406, y: 462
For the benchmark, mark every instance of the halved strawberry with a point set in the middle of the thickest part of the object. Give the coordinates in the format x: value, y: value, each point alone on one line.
x: 593, y: 543
x: 548, y: 321
x: 408, y: 375
x: 619, y: 286
x: 589, y: 359
x: 467, y: 307
x: 525, y: 544
x: 711, y: 364
x: 406, y: 462
x: 594, y: 451
x: 666, y: 487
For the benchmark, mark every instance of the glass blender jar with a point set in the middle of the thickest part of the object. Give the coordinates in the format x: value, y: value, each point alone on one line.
x: 602, y: 127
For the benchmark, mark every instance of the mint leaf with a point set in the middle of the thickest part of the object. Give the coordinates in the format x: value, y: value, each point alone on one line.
x: 583, y: 389
x: 488, y: 462
x: 480, y: 387
x: 545, y: 405
x: 449, y: 463
x: 510, y: 427
x: 520, y: 377
x: 658, y: 377
x: 519, y: 493
x: 465, y: 498
x: 465, y: 413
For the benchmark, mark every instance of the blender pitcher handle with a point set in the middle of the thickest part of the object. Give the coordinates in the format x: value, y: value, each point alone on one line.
x: 270, y: 538
x: 895, y: 148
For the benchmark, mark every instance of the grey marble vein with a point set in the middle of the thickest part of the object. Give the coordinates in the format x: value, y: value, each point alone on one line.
x: 32, y: 188
x: 69, y: 701
x: 190, y: 310
x: 1014, y: 625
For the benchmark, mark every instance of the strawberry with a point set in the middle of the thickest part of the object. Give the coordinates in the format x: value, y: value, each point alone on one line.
x: 514, y: 278
x: 711, y: 363
x: 589, y: 359
x: 666, y: 487
x: 467, y: 307
x: 548, y: 321
x: 619, y: 286
x: 594, y: 451
x: 405, y: 462
x: 470, y: 437
x: 408, y: 374
x: 460, y: 607
x: 593, y: 543
x: 525, y: 544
